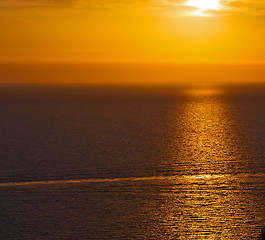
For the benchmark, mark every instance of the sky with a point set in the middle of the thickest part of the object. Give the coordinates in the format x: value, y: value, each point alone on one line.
x: 175, y: 31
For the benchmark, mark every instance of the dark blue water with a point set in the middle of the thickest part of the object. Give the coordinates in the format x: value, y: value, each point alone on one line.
x: 116, y: 163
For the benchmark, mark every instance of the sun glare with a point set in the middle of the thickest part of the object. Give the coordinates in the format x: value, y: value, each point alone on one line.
x: 203, y: 5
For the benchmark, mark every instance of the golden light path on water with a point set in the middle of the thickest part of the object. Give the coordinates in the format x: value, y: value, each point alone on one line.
x: 206, y: 145
x: 207, y: 135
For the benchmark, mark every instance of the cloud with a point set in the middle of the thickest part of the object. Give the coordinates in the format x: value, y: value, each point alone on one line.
x: 179, y: 7
x: 92, y: 4
x: 16, y: 4
x: 227, y: 7
x: 112, y: 4
x: 241, y: 7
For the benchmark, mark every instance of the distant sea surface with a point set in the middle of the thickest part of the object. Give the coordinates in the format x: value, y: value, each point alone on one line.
x: 82, y: 162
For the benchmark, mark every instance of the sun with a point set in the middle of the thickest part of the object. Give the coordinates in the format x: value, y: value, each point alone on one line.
x: 203, y: 5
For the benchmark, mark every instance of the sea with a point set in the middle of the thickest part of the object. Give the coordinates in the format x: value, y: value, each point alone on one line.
x: 94, y: 162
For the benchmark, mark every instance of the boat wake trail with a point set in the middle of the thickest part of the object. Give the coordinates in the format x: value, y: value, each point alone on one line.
x: 152, y: 178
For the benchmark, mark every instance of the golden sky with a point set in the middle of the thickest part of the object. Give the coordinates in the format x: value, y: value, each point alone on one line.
x: 133, y: 30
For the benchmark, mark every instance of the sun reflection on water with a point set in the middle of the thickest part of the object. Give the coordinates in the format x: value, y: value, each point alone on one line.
x: 208, y: 203
x: 206, y: 136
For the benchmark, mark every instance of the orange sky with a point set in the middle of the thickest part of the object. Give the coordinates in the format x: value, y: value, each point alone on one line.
x: 132, y: 30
